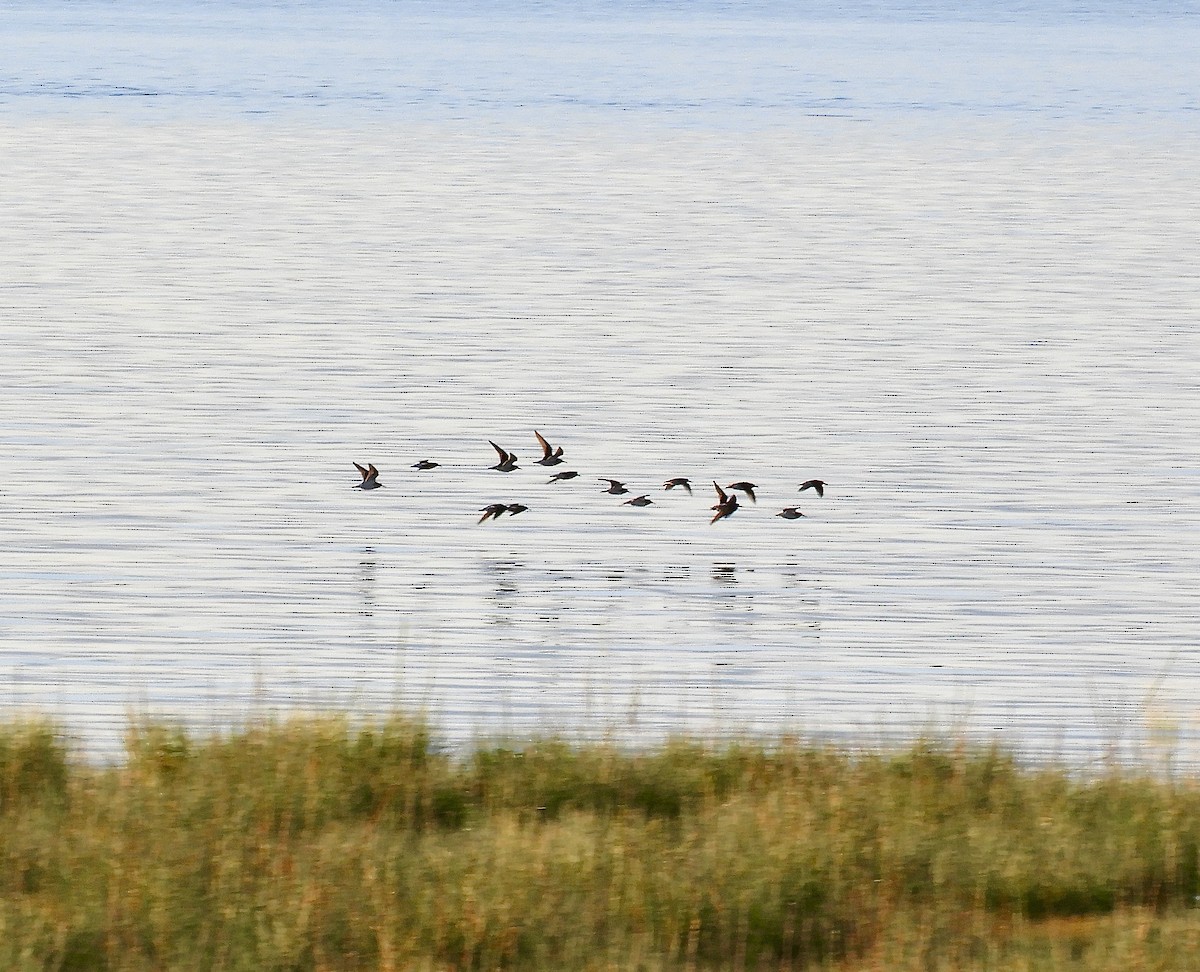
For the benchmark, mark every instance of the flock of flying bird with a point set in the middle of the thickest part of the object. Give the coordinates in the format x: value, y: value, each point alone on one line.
x: 726, y: 505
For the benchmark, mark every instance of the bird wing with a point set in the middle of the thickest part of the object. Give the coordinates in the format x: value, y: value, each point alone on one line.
x: 547, y: 452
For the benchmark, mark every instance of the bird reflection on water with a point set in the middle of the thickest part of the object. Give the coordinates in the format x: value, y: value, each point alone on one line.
x: 732, y: 605
x: 591, y: 645
x: 367, y: 568
x: 503, y: 590
x: 724, y: 574
x: 520, y: 595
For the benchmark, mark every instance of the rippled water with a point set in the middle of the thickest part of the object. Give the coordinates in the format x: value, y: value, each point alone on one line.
x: 976, y: 318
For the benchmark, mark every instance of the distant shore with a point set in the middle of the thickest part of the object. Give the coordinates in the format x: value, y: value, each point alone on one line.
x: 317, y: 844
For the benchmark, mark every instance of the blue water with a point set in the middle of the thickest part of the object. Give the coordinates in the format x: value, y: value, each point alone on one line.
x: 942, y: 256
x: 703, y: 63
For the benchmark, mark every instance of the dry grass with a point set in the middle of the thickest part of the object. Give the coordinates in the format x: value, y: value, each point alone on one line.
x: 315, y: 845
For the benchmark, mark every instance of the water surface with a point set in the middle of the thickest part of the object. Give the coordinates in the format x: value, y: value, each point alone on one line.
x: 961, y: 293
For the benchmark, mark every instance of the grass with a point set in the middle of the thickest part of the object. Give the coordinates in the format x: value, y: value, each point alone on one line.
x: 318, y: 845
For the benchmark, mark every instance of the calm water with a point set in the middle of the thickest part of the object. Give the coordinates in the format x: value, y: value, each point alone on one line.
x: 944, y: 260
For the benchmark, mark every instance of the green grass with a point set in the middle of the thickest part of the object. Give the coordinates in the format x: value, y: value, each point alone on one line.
x: 316, y: 844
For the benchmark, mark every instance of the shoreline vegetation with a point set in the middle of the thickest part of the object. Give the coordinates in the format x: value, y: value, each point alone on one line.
x: 321, y: 844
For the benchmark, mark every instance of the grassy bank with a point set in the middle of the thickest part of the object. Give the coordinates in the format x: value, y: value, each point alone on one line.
x: 312, y: 845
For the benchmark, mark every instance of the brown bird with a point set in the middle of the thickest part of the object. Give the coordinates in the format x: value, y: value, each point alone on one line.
x: 493, y: 510
x: 550, y: 456
x: 370, y: 477
x: 561, y: 477
x: 790, y: 513
x: 817, y: 484
x: 425, y: 464
x: 639, y: 501
x: 727, y: 504
x: 679, y: 481
x: 616, y: 487
x: 745, y: 487
x: 508, y: 461
x: 515, y: 508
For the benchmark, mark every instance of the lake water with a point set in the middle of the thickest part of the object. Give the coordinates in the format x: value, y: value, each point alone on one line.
x: 940, y: 256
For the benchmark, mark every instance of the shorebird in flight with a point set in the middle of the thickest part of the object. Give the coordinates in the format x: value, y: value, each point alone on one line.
x: 493, y: 510
x: 370, y: 477
x: 615, y: 486
x: 745, y: 487
x: 790, y: 513
x: 508, y: 461
x: 515, y: 508
x: 561, y: 477
x: 639, y: 501
x: 817, y: 484
x: 727, y: 504
x: 679, y: 481
x: 425, y: 464
x: 550, y: 455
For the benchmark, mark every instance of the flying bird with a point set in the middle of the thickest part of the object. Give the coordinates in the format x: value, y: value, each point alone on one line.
x: 679, y: 481
x: 817, y: 484
x: 508, y: 461
x: 745, y: 487
x: 562, y: 477
x: 727, y: 504
x: 550, y: 455
x: 639, y: 501
x: 790, y: 513
x: 493, y: 510
x: 515, y: 508
x: 370, y: 477
x: 614, y: 486
x: 425, y: 464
